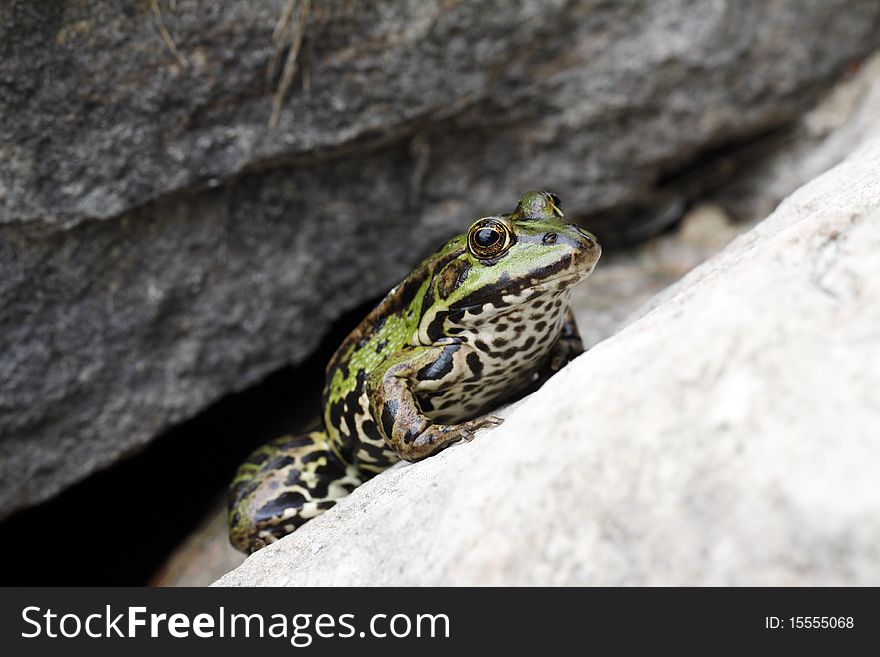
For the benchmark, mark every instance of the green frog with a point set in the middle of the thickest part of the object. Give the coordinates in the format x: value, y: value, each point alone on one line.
x: 484, y: 319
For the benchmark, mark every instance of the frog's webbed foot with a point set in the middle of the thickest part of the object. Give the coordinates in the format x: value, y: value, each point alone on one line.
x: 431, y: 438
x: 261, y: 540
x: 568, y: 347
x: 399, y: 417
x: 563, y: 353
x: 468, y: 429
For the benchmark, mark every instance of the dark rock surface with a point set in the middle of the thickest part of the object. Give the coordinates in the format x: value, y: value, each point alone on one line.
x: 161, y: 245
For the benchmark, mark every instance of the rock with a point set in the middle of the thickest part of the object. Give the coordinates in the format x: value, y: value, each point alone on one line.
x: 202, y: 557
x: 161, y: 245
x: 820, y: 139
x: 727, y: 437
x: 629, y: 279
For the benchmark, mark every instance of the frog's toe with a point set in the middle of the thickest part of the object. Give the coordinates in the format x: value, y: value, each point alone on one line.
x: 488, y: 422
x: 493, y: 421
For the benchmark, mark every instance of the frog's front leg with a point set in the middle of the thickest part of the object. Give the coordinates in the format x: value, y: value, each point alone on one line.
x: 568, y: 347
x: 396, y: 410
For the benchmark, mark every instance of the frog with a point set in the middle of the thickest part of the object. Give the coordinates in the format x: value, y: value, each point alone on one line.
x: 485, y: 319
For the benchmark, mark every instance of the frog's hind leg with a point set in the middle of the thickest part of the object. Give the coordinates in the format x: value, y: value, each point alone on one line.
x: 282, y: 485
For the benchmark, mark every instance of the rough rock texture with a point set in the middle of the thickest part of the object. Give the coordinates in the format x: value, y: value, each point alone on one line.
x: 161, y: 246
x: 821, y: 138
x: 727, y: 437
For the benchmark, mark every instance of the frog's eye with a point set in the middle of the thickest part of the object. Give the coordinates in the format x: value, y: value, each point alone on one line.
x: 489, y: 238
x: 556, y: 200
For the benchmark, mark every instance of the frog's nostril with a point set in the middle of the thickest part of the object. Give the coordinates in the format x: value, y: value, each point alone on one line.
x: 550, y: 238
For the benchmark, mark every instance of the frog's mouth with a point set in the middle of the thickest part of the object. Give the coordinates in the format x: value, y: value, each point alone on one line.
x: 572, y: 275
x: 525, y: 293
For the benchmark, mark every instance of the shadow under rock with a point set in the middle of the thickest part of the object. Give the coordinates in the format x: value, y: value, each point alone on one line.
x: 119, y: 526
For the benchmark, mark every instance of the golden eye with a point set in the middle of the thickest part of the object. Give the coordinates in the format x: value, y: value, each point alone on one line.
x: 489, y: 238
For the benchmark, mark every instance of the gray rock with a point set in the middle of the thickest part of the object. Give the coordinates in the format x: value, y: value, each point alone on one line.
x: 821, y: 138
x: 161, y: 246
x: 727, y: 437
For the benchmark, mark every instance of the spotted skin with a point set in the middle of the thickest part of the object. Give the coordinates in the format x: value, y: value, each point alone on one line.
x: 282, y: 485
x: 484, y: 319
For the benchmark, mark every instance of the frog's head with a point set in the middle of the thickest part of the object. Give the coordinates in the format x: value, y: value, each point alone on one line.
x: 510, y: 259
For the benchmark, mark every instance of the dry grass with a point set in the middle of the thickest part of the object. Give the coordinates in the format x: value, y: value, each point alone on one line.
x: 288, y: 35
x: 166, y: 36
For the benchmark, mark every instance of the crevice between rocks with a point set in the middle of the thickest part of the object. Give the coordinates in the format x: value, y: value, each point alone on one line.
x: 119, y: 525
